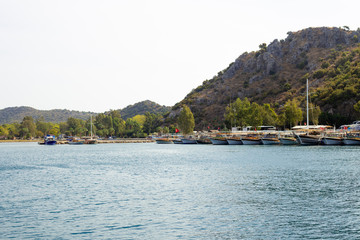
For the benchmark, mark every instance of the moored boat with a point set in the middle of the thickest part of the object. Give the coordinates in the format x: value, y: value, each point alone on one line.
x: 177, y: 141
x: 188, y: 141
x: 219, y: 141
x: 332, y: 140
x: 288, y: 140
x: 234, y: 141
x: 270, y: 139
x: 164, y: 141
x: 251, y: 139
x: 49, y: 140
x: 352, y: 139
x: 76, y: 141
x: 308, y: 139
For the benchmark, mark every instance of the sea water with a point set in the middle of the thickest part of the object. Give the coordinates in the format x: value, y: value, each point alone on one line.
x: 153, y: 191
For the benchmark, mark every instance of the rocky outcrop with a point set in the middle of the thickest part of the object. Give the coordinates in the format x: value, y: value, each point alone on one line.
x: 273, y: 74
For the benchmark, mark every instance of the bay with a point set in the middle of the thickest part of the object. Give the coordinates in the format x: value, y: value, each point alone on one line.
x: 153, y: 191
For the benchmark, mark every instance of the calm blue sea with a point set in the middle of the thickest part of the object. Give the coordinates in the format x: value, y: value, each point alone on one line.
x: 153, y: 191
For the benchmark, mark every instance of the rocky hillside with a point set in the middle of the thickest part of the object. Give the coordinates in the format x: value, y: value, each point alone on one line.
x: 141, y: 108
x: 328, y: 57
x: 16, y: 114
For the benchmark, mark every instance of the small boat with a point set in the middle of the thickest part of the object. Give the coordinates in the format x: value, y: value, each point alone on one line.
x: 270, y: 139
x: 177, y: 141
x: 251, y: 139
x: 309, y: 139
x: 164, y: 141
x: 332, y: 139
x: 219, y: 141
x: 91, y: 141
x: 288, y: 140
x: 352, y: 139
x: 234, y: 141
x: 189, y: 141
x: 76, y: 141
x: 49, y: 140
x: 203, y: 140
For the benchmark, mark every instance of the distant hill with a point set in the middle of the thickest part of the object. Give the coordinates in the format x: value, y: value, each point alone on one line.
x: 328, y: 57
x: 16, y: 114
x: 141, y: 108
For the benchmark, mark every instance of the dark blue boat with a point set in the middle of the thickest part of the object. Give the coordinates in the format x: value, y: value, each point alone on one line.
x: 49, y: 140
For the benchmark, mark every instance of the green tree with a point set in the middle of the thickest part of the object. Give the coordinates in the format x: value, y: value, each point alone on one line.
x: 28, y: 127
x: 186, y: 120
x: 270, y: 117
x: 255, y: 115
x: 357, y: 106
x: 4, y: 132
x: 152, y: 122
x: 314, y: 113
x: 293, y: 113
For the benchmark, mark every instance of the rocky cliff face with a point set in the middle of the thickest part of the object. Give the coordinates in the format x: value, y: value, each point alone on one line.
x: 271, y: 75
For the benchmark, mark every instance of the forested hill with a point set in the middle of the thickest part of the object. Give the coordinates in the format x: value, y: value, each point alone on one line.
x: 328, y: 57
x: 141, y: 108
x: 16, y: 114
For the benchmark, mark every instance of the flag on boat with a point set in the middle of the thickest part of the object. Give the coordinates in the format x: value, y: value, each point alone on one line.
x: 176, y: 130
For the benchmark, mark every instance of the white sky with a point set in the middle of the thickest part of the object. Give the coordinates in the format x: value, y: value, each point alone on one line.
x: 99, y: 55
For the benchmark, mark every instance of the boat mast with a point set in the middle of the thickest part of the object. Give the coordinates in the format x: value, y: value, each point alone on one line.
x: 91, y: 127
x: 307, y: 103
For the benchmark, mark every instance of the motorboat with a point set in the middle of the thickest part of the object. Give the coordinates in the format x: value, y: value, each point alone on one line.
x: 49, y: 140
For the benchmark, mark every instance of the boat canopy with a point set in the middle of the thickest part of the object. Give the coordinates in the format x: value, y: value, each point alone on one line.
x: 318, y: 127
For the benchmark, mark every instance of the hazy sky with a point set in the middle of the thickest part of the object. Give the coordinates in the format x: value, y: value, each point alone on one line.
x: 100, y: 55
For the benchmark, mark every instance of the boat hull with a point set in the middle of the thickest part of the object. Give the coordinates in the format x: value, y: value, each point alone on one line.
x: 76, y: 143
x: 234, y: 141
x: 332, y: 141
x: 351, y: 141
x: 270, y: 141
x: 49, y: 142
x: 251, y: 141
x: 203, y: 141
x: 218, y: 141
x: 308, y: 140
x: 188, y: 141
x: 160, y: 141
x: 288, y: 141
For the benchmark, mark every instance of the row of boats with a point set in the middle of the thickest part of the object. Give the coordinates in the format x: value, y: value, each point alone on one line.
x: 51, y: 140
x: 279, y: 138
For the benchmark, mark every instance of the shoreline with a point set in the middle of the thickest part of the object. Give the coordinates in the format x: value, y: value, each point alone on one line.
x: 122, y: 140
